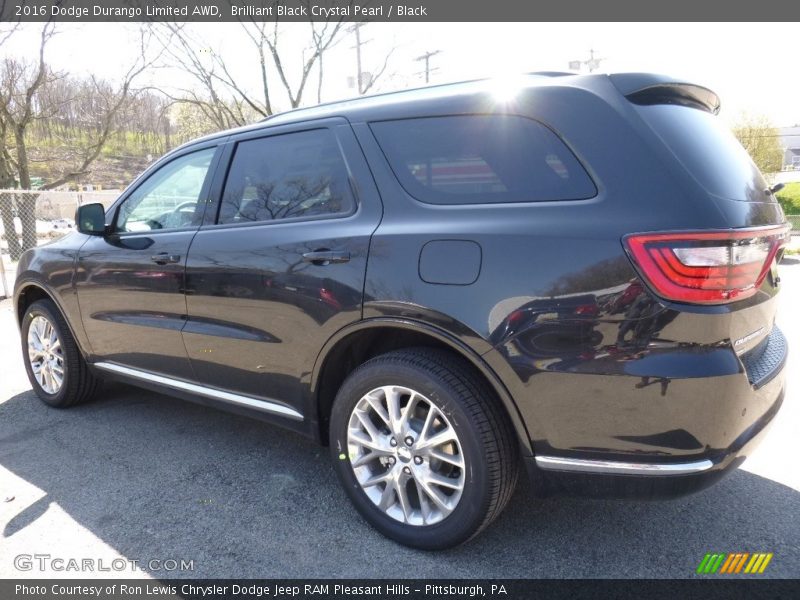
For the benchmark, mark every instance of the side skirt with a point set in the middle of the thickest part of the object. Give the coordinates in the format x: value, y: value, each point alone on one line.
x: 163, y: 383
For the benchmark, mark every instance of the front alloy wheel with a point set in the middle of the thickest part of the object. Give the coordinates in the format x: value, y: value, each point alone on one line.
x: 56, y: 369
x: 45, y: 355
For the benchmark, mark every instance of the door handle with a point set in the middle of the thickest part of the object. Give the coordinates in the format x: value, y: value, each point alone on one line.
x: 323, y: 257
x: 164, y: 258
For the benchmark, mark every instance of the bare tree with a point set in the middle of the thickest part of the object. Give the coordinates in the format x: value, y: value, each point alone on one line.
x: 323, y: 36
x: 210, y: 91
x: 223, y: 96
x: 19, y: 83
x: 109, y: 101
x: 378, y: 74
x: 7, y: 179
x: 6, y: 33
x: 22, y: 105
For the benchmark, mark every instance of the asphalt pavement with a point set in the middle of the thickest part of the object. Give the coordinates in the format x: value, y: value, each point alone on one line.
x: 138, y: 476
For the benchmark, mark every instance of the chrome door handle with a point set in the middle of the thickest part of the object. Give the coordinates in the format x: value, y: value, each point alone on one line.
x: 324, y: 257
x: 164, y: 258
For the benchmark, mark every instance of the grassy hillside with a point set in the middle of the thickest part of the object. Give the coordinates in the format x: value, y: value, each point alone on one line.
x: 124, y: 156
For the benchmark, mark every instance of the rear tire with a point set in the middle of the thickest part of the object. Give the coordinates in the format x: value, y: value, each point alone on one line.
x: 56, y: 369
x: 433, y: 476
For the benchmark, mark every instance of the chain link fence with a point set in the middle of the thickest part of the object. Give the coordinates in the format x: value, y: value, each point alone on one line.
x: 31, y: 218
x: 795, y: 221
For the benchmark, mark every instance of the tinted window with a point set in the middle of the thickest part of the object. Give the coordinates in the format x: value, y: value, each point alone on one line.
x: 170, y: 197
x: 285, y: 177
x: 708, y: 150
x: 480, y: 159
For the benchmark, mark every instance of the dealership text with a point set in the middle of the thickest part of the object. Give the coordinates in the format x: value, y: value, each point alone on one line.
x: 328, y: 12
x: 47, y: 562
x: 130, y: 12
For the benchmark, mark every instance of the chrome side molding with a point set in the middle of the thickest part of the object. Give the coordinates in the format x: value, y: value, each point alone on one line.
x: 610, y: 467
x: 200, y: 390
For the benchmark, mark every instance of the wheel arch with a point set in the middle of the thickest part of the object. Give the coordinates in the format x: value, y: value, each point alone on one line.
x: 359, y: 342
x: 32, y: 291
x: 26, y: 295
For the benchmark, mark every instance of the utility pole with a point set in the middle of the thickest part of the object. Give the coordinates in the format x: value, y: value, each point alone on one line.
x: 356, y: 28
x: 593, y: 63
x: 427, y: 58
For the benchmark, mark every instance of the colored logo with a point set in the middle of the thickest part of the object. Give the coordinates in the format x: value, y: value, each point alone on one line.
x: 734, y: 562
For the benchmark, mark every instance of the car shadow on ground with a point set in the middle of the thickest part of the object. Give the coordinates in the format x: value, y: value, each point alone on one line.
x: 156, y: 477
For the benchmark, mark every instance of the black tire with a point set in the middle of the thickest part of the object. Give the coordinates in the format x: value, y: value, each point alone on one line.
x: 485, y: 434
x: 78, y: 384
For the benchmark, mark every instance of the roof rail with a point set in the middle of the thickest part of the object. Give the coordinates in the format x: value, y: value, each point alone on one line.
x: 552, y: 73
x: 378, y: 95
x: 410, y: 90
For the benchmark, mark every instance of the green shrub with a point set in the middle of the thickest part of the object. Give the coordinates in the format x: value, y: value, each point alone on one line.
x: 789, y: 198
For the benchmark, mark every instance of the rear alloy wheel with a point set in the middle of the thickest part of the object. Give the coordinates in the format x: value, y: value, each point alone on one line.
x: 57, y: 371
x: 406, y: 455
x: 421, y: 447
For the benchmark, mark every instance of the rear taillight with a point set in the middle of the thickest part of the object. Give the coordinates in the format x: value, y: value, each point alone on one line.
x: 707, y: 267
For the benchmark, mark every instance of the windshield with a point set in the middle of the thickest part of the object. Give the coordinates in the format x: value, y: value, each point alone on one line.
x: 708, y: 150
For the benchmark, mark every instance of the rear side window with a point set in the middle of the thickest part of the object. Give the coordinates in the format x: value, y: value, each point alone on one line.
x: 289, y: 176
x: 708, y: 150
x: 477, y: 159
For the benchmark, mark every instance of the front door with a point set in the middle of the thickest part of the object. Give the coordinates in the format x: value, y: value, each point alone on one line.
x: 130, y: 282
x: 283, y: 266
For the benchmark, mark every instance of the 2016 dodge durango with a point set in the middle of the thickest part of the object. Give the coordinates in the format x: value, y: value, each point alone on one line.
x: 575, y: 273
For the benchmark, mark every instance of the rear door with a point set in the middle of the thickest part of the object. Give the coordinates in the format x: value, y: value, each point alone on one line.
x: 282, y: 266
x: 130, y: 282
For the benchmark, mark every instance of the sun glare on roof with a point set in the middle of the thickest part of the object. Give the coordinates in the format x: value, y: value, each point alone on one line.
x: 504, y: 89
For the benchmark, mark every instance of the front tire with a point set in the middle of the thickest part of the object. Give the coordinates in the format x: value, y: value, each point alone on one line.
x: 57, y: 371
x: 422, y: 450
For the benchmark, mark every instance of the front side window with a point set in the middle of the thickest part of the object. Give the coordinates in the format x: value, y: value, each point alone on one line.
x: 288, y: 176
x: 475, y: 159
x: 170, y: 197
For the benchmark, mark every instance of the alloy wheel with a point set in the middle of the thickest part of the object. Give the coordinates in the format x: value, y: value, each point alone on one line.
x: 45, y: 355
x: 406, y: 455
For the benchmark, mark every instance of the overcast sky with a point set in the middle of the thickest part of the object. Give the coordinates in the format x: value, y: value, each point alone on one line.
x: 751, y: 66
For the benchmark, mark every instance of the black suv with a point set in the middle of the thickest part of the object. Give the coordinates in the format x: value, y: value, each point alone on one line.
x: 575, y: 271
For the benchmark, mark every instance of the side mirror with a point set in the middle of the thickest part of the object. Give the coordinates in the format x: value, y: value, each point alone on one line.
x: 776, y: 188
x: 91, y: 219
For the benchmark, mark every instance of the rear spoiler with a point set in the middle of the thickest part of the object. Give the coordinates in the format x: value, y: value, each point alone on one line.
x: 646, y: 89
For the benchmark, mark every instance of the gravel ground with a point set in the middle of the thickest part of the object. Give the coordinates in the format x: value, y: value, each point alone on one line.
x: 141, y: 476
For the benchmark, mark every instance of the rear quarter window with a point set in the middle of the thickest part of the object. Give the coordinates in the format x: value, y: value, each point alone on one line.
x: 479, y: 159
x: 708, y: 150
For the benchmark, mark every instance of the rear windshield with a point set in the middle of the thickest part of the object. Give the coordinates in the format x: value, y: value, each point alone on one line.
x: 708, y: 150
x: 481, y: 159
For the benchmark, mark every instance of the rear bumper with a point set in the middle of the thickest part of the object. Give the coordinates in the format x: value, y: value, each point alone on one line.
x: 623, y: 437
x: 643, y: 478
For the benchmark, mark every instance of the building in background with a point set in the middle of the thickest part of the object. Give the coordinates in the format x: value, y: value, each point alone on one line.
x: 789, y: 139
